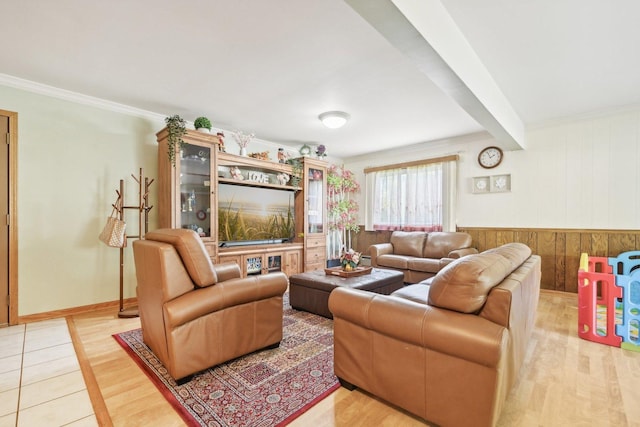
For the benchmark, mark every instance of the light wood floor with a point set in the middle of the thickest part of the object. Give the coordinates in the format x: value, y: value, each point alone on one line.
x: 565, y: 381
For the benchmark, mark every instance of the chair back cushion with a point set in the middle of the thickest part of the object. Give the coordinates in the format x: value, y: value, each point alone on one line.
x: 440, y: 243
x: 192, y: 252
x: 464, y: 284
x: 516, y: 253
x: 408, y: 243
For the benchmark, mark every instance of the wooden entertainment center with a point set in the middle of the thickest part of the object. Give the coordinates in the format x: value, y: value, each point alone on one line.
x: 188, y: 198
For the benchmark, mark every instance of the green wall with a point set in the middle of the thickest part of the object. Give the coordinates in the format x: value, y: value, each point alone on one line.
x: 71, y: 157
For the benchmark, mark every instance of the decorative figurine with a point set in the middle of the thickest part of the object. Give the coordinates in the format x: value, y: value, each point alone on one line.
x: 305, y: 150
x: 236, y: 173
x: 282, y: 178
x: 221, y: 147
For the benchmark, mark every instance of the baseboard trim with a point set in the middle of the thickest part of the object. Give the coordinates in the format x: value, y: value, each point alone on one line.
x: 75, y: 310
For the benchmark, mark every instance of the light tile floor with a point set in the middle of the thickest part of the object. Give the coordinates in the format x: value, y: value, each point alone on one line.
x: 41, y: 383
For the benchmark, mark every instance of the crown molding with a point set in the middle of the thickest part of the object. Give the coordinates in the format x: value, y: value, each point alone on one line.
x: 443, y: 146
x: 67, y: 95
x: 588, y: 115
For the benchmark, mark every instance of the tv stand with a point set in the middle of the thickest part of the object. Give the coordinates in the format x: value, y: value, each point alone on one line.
x: 251, y: 243
x: 264, y: 258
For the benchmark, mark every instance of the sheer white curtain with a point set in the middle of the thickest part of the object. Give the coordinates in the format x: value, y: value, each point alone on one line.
x: 414, y: 198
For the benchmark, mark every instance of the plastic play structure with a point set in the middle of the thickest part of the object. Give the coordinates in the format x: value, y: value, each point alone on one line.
x: 609, y: 300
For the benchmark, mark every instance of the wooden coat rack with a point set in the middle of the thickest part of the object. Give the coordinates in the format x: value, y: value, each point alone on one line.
x: 143, y: 209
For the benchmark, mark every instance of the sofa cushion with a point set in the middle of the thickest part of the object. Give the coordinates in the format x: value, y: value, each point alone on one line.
x: 439, y: 244
x: 393, y: 261
x: 418, y: 293
x: 191, y: 250
x: 464, y: 284
x: 426, y: 265
x: 408, y: 242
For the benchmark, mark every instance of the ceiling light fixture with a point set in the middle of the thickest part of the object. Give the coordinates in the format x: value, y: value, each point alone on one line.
x: 334, y: 119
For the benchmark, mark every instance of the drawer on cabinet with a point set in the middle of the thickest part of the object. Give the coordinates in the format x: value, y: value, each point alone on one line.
x: 314, y: 266
x: 315, y: 254
x: 315, y: 242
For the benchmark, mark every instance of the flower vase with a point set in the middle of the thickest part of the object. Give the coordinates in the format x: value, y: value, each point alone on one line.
x: 243, y: 151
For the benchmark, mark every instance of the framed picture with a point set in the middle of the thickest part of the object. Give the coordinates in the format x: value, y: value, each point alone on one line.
x: 500, y: 183
x: 481, y: 184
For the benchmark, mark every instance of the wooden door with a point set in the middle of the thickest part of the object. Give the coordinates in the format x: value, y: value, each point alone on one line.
x: 4, y: 220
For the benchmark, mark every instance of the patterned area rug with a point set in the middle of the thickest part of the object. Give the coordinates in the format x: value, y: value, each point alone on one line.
x: 266, y: 388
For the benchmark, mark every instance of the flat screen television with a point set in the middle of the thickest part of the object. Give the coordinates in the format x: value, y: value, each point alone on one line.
x: 254, y: 215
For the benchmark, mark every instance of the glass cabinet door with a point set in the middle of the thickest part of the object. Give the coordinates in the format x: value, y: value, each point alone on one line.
x: 195, y: 189
x: 315, y: 200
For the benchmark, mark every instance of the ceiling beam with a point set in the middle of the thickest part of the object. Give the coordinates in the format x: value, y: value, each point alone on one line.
x: 424, y: 31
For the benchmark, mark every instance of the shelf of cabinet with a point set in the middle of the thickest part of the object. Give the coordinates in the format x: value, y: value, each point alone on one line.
x: 257, y: 184
x: 226, y: 159
x: 247, y: 171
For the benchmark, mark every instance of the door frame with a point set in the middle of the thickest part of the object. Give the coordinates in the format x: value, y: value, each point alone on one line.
x: 13, y: 215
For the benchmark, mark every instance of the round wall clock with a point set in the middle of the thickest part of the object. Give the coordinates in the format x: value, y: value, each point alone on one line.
x: 490, y: 157
x: 201, y: 215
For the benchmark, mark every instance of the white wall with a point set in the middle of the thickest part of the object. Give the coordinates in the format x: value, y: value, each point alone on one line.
x: 581, y: 174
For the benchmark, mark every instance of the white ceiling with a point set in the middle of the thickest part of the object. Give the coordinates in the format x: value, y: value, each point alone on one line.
x: 271, y: 67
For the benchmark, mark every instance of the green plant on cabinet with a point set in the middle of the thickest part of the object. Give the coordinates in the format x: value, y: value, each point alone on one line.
x: 202, y: 123
x: 176, y: 127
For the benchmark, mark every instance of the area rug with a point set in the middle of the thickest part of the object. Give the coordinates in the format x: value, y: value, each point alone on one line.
x: 266, y: 388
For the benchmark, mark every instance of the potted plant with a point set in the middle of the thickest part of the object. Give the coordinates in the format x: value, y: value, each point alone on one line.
x: 176, y: 126
x: 202, y: 124
x: 342, y: 209
x: 296, y: 171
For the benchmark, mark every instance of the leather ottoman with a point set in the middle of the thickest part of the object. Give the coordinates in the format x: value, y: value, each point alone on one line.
x: 310, y: 291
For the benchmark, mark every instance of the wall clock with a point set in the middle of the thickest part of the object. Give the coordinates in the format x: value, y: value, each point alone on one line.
x: 490, y: 157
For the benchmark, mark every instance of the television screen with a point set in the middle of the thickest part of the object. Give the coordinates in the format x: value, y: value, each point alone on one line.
x: 247, y: 214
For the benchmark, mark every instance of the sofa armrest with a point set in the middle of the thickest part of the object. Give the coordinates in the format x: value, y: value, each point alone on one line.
x: 459, y: 253
x: 465, y: 336
x: 222, y: 295
x: 227, y: 271
x: 379, y: 249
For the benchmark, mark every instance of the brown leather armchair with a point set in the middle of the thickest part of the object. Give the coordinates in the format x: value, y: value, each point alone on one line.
x: 196, y: 314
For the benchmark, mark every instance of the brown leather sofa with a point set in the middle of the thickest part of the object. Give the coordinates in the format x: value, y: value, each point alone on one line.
x: 195, y: 314
x: 420, y: 255
x: 448, y: 349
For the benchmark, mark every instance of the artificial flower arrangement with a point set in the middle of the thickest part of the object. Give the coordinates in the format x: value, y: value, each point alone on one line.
x: 350, y: 259
x: 242, y: 139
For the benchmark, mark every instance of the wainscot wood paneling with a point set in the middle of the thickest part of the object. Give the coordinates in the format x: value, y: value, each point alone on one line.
x: 559, y: 249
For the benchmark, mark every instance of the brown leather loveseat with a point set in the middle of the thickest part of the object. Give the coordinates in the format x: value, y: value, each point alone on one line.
x: 195, y: 314
x: 420, y: 255
x: 448, y: 349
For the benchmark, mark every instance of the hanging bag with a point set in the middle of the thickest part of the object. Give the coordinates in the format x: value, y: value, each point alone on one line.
x: 113, y: 231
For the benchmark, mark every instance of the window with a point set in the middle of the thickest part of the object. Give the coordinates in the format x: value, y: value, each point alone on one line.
x: 415, y: 196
